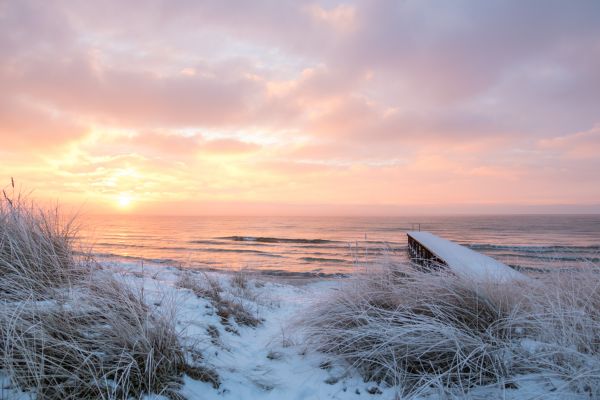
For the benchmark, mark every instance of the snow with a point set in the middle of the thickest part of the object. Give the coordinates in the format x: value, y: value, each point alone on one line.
x: 466, y: 262
x: 269, y: 361
x: 266, y: 362
x: 9, y: 391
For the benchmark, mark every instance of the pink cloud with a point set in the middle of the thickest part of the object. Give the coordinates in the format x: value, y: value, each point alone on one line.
x: 27, y: 126
x: 348, y: 97
x: 576, y: 145
x: 136, y: 98
x: 228, y: 146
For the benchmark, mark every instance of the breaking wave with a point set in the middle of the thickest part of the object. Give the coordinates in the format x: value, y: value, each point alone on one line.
x: 262, y: 239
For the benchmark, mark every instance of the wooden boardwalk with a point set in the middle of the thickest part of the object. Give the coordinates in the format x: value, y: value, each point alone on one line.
x: 433, y: 252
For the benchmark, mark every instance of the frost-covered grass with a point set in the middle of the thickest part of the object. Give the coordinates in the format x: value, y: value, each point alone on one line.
x: 69, y: 330
x: 427, y: 331
x: 99, y: 340
x: 36, y: 249
x: 228, y: 306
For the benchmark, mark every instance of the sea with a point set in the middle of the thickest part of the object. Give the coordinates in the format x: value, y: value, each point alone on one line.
x: 325, y: 246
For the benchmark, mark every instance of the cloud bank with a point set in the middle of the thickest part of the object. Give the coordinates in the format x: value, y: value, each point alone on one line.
x: 296, y: 106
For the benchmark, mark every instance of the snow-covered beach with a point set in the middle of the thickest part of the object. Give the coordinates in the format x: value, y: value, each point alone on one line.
x: 74, y: 326
x: 268, y: 361
x: 272, y: 360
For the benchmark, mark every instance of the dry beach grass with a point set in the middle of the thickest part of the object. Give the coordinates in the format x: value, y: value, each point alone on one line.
x: 69, y: 331
x: 227, y: 304
x: 421, y: 330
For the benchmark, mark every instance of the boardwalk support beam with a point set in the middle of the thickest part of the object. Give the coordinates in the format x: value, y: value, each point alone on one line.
x: 422, y: 256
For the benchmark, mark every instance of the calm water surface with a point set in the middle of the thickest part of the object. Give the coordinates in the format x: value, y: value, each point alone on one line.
x: 333, y: 245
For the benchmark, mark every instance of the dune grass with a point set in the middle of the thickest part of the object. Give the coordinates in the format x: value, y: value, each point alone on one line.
x: 68, y: 330
x: 228, y: 305
x: 419, y: 330
x: 36, y: 249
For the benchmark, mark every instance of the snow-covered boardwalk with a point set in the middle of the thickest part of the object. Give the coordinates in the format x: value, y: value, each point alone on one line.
x: 431, y: 250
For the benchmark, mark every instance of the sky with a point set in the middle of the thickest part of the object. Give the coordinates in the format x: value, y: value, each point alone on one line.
x: 282, y: 107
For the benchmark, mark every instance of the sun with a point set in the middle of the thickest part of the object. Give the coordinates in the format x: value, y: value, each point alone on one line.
x: 124, y: 200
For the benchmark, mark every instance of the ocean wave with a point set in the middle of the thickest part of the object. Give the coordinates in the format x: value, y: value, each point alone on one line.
x: 122, y: 245
x: 262, y: 239
x: 549, y: 257
x: 350, y: 247
x: 320, y: 259
x: 534, y: 249
x: 247, y: 251
x: 206, y: 241
x: 384, y: 242
x: 137, y: 258
x: 300, y: 274
x: 331, y: 246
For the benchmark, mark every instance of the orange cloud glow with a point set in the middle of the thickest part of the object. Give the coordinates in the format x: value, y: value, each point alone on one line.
x: 357, y: 107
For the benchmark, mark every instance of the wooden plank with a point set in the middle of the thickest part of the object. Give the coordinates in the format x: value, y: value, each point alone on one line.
x: 433, y: 252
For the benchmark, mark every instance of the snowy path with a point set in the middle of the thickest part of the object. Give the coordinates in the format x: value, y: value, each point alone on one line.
x: 265, y: 362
